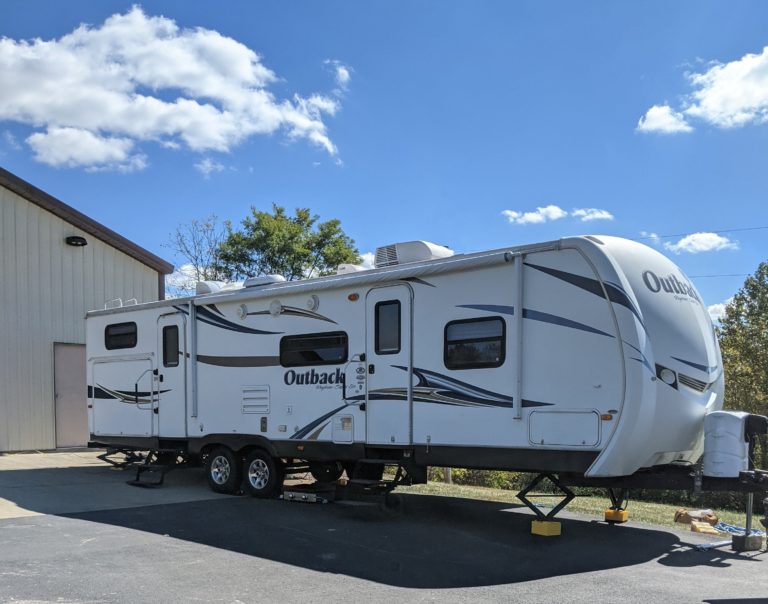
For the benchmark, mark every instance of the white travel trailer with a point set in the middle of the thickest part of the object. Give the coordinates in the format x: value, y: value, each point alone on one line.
x: 592, y: 356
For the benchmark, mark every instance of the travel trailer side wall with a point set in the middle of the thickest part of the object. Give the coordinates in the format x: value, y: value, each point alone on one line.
x: 592, y: 355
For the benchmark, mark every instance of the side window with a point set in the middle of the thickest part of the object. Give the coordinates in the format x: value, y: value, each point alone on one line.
x: 387, y: 340
x: 474, y: 343
x: 120, y: 335
x: 314, y: 349
x: 171, y: 346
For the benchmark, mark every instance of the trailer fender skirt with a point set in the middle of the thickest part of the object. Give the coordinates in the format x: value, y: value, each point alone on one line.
x: 545, y: 528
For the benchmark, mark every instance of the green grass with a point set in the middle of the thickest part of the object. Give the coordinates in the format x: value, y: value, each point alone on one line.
x: 659, y: 514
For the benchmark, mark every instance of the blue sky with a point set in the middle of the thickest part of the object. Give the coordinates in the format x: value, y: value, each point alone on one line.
x: 472, y: 124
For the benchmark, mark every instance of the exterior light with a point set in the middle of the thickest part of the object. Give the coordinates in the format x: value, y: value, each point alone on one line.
x: 667, y: 376
x: 75, y: 241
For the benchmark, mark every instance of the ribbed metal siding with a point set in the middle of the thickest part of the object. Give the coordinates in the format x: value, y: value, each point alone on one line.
x: 46, y: 287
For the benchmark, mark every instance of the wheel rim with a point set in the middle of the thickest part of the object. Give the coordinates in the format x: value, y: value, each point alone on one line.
x: 220, y: 469
x: 258, y: 474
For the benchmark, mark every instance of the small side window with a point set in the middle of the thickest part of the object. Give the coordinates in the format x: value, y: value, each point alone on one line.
x: 387, y: 340
x: 120, y: 335
x: 170, y: 346
x: 314, y: 349
x: 474, y: 343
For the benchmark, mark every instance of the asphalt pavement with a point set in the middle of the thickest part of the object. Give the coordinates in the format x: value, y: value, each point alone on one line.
x: 182, y: 543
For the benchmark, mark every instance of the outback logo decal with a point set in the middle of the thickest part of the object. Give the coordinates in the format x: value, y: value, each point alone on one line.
x: 314, y: 378
x: 670, y: 284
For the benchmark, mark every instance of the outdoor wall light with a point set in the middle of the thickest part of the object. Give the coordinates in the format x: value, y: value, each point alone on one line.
x: 75, y: 240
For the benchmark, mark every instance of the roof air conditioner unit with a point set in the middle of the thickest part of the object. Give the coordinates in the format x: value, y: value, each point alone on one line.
x: 410, y: 251
x: 263, y: 280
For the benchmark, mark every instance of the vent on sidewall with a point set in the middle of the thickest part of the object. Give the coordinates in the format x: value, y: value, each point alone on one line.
x: 692, y: 383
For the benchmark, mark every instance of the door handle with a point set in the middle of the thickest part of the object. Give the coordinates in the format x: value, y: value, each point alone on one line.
x: 371, y: 368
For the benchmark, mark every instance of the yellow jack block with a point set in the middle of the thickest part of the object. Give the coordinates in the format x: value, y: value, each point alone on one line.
x: 704, y: 527
x: 616, y: 516
x: 545, y: 528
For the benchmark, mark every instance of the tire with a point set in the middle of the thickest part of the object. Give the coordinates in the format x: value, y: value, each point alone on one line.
x: 222, y: 469
x: 262, y: 474
x: 326, y: 471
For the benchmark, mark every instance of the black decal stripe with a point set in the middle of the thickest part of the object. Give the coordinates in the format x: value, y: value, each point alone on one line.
x: 497, y: 308
x: 311, y: 426
x: 221, y: 361
x: 442, y: 397
x: 699, y: 366
x: 215, y: 309
x: 544, y: 317
x: 593, y: 286
x: 419, y: 281
x: 206, y: 316
x: 442, y: 389
x: 643, y: 360
x: 295, y: 312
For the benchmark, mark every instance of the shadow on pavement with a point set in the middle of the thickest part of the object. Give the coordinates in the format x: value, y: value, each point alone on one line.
x: 433, y: 542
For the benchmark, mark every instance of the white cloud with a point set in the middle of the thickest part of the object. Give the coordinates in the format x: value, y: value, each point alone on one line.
x: 702, y: 242
x: 717, y: 311
x: 74, y: 147
x: 137, y: 78
x: 732, y: 94
x: 589, y: 214
x: 553, y: 212
x: 206, y: 166
x: 341, y: 73
x: 726, y: 95
x: 662, y: 119
x: 545, y: 214
x: 368, y: 259
x: 652, y: 237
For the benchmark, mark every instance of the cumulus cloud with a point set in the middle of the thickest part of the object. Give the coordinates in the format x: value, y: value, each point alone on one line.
x: 545, y: 214
x: 590, y: 214
x: 732, y: 94
x: 138, y: 78
x: 702, y: 242
x: 207, y: 165
x: 717, y: 311
x: 554, y: 212
x: 662, y: 119
x: 725, y: 95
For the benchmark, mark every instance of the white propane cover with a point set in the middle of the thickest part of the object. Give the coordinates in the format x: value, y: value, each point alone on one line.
x: 726, y: 452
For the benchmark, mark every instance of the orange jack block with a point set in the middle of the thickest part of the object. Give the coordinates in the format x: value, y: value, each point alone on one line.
x: 616, y: 516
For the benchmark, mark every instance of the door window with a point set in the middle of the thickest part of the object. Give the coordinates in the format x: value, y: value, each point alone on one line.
x: 171, y: 346
x: 387, y: 327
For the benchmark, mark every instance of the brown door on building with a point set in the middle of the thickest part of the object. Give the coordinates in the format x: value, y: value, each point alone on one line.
x: 71, y: 395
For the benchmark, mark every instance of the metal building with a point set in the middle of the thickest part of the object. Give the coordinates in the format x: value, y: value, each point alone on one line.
x: 55, y: 265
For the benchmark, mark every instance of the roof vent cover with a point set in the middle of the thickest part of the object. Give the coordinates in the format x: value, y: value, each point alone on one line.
x: 410, y: 251
x: 263, y: 280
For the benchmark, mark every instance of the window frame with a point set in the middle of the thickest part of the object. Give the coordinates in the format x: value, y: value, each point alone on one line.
x: 108, y: 336
x: 315, y: 335
x: 166, y: 362
x: 376, y: 347
x: 485, y: 365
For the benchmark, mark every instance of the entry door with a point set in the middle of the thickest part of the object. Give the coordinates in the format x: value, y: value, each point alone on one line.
x: 71, y: 395
x: 171, y: 376
x: 389, y: 396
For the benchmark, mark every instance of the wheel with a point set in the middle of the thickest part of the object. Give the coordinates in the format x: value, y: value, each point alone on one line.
x: 263, y: 476
x: 223, y: 471
x: 326, y: 471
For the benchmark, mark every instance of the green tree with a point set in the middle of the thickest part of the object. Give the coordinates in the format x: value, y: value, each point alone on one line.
x: 743, y: 335
x: 296, y: 247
